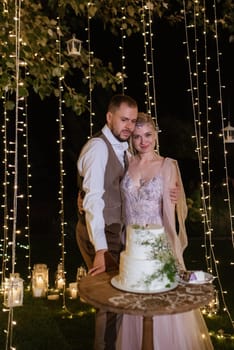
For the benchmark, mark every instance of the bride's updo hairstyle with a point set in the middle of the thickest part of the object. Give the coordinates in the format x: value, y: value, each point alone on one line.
x: 142, y: 119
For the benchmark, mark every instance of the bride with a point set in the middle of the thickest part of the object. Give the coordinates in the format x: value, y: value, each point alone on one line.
x: 145, y: 188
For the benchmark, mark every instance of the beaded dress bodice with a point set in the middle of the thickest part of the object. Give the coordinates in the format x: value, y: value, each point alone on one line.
x: 143, y: 204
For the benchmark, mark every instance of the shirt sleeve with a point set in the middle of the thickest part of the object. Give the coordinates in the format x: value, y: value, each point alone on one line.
x: 91, y: 166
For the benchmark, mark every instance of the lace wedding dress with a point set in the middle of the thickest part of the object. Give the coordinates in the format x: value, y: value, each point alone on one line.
x: 149, y: 203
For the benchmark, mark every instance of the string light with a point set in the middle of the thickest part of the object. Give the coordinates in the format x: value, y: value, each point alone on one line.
x: 121, y: 76
x: 61, y: 165
x: 61, y: 272
x: 28, y: 192
x: 10, y: 146
x: 90, y: 59
x: 195, y: 91
x: 150, y: 83
x: 4, y: 240
x: 203, y: 142
x: 15, y: 188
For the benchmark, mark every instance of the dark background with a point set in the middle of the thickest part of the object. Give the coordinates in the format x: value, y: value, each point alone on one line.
x: 175, y: 120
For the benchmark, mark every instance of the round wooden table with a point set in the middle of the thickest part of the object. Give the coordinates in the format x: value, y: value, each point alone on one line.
x: 98, y: 291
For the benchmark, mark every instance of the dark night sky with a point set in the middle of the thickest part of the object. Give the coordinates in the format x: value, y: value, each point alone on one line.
x: 173, y: 101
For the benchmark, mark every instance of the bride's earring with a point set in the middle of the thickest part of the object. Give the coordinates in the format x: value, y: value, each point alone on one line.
x: 156, y: 147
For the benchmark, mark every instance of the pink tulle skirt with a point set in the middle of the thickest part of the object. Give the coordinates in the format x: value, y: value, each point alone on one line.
x: 184, y: 331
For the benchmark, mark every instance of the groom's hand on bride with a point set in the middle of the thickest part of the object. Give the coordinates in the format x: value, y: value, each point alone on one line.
x: 174, y: 194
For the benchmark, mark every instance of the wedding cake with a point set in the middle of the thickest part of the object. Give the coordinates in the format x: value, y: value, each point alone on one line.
x: 147, y: 264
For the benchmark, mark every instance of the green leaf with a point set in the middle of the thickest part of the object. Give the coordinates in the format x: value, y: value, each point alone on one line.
x: 23, y: 92
x: 9, y: 105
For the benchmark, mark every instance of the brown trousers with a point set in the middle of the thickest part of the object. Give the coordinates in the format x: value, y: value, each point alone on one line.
x: 106, y: 323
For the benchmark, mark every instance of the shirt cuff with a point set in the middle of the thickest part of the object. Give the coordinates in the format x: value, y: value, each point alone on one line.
x: 100, y: 241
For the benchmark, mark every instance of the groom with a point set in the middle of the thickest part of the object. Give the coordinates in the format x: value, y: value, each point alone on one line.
x: 101, y: 166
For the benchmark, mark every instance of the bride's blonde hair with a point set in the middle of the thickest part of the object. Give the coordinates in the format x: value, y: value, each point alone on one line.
x: 142, y: 119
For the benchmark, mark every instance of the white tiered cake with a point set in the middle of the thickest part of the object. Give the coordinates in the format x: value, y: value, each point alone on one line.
x: 147, y: 264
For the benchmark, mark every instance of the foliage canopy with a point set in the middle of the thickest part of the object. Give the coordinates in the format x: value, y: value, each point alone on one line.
x: 45, y: 27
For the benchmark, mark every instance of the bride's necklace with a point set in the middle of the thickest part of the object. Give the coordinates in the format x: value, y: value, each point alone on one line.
x: 153, y: 158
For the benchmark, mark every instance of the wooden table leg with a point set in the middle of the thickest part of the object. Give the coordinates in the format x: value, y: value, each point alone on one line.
x: 148, y: 339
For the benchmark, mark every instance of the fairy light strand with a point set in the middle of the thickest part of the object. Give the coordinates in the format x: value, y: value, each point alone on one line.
x: 197, y: 85
x: 196, y: 113
x: 5, y: 194
x: 194, y: 92
x: 61, y: 166
x: 15, y: 191
x: 147, y: 83
x: 150, y: 81
x: 202, y: 142
x: 212, y: 262
x: 28, y: 189
x: 8, y: 214
x: 206, y: 157
x: 122, y: 48
x: 153, y: 75
x: 17, y: 18
x: 207, y: 109
x: 90, y: 57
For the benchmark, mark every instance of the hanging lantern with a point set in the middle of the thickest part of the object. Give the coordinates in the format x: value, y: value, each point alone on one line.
x: 74, y: 46
x: 13, y: 291
x: 228, y: 133
x: 60, y: 279
x: 40, y: 280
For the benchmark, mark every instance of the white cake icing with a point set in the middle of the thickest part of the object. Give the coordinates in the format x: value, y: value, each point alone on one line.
x: 147, y: 263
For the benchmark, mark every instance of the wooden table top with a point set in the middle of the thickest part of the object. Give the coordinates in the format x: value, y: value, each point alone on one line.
x: 98, y: 292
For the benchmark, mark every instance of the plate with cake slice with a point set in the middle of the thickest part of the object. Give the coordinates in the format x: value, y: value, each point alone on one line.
x: 195, y: 277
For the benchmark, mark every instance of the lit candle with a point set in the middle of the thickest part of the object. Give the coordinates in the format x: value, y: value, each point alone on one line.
x: 14, y: 296
x: 60, y: 283
x: 40, y: 282
x: 73, y: 290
